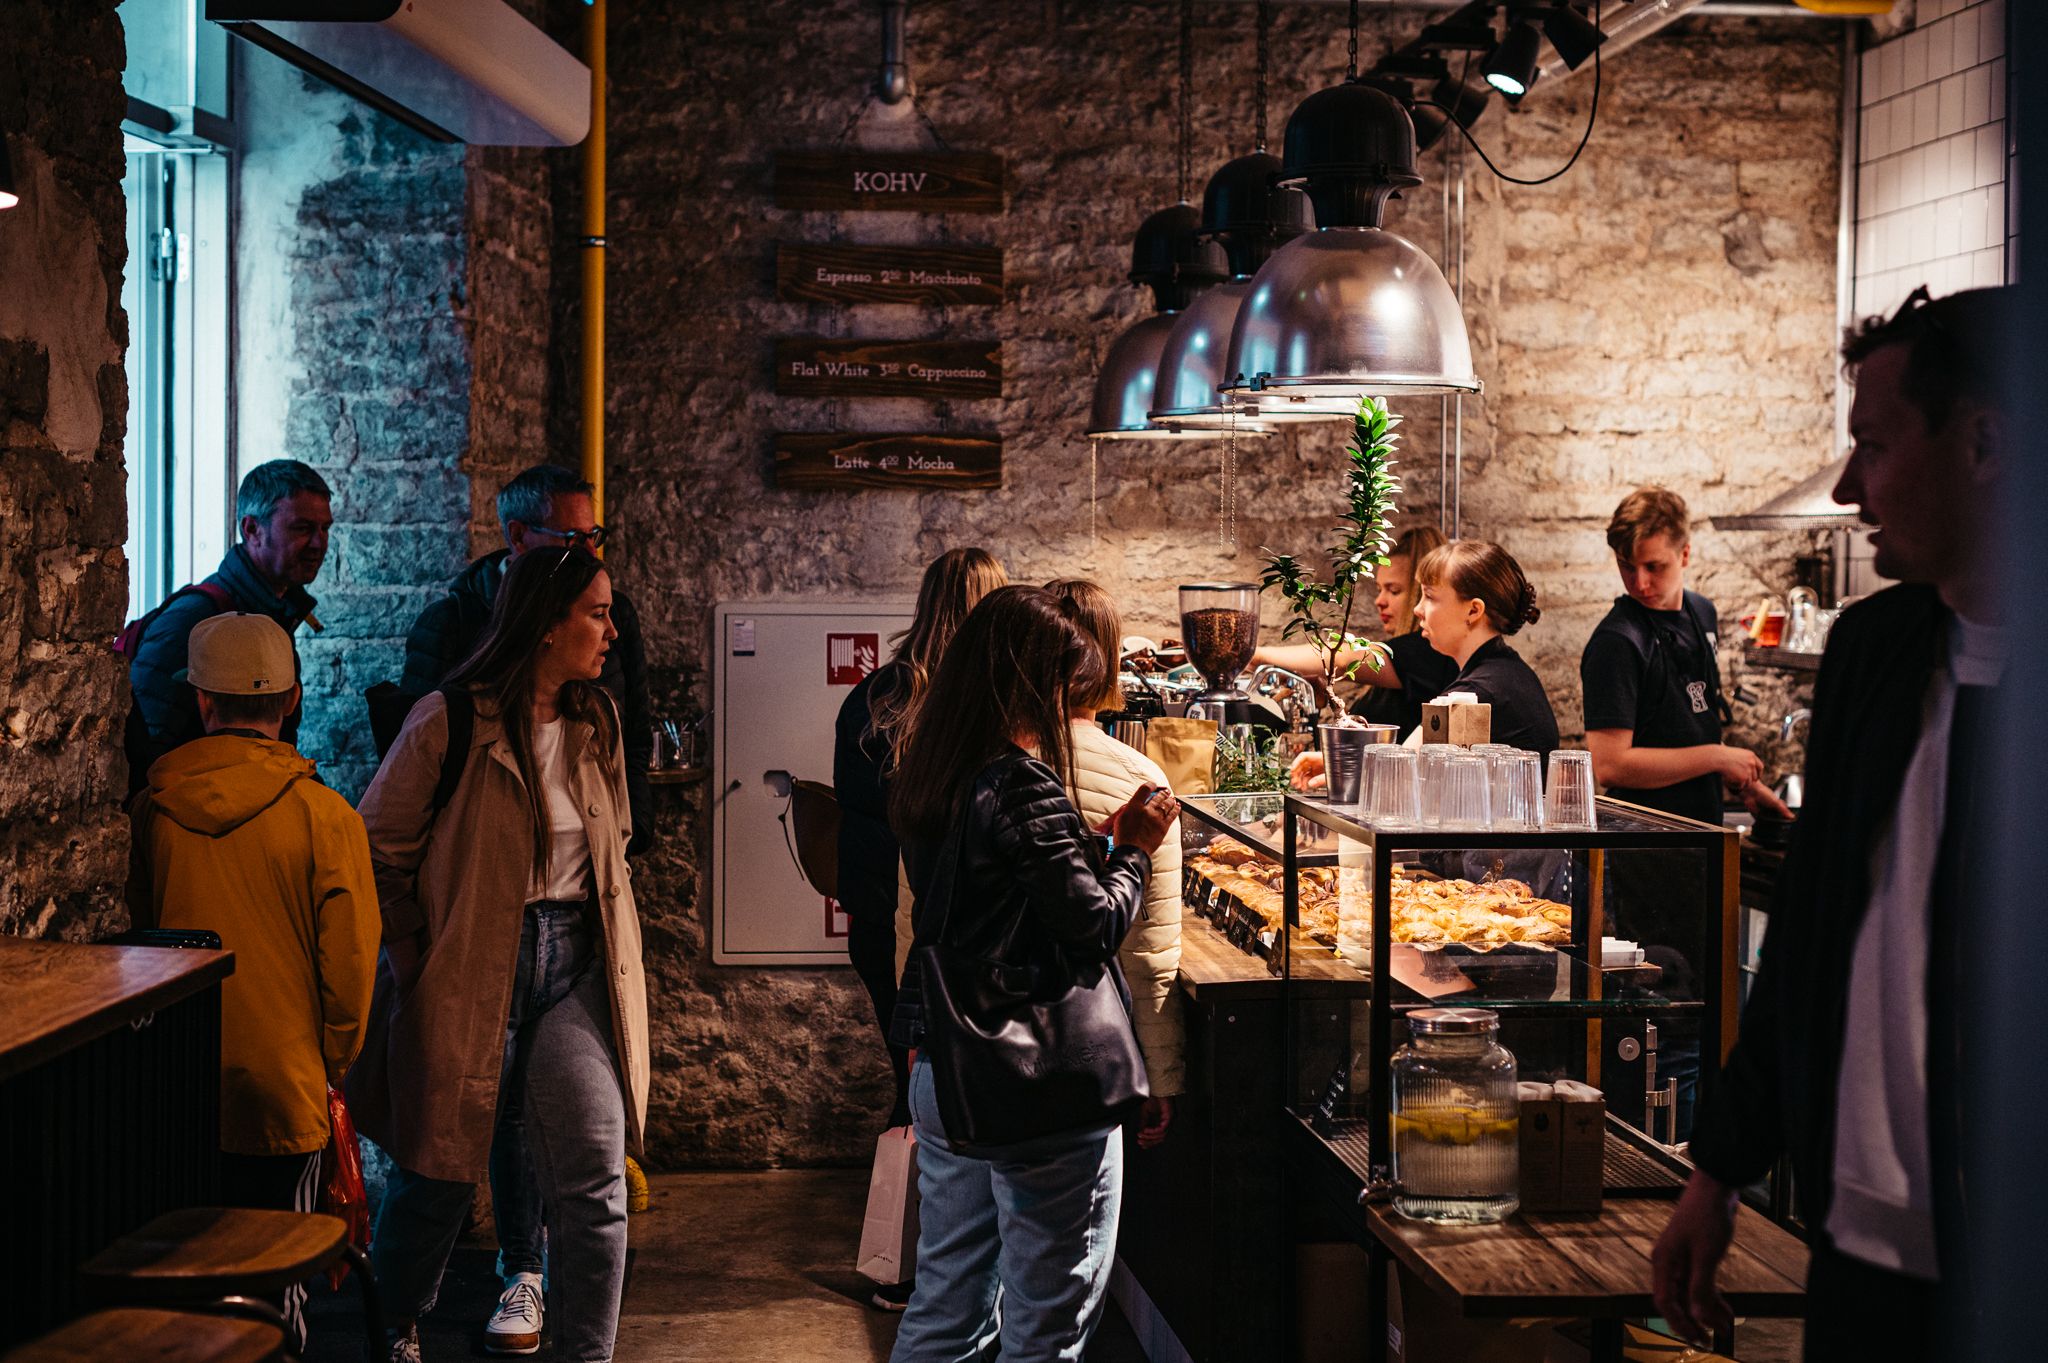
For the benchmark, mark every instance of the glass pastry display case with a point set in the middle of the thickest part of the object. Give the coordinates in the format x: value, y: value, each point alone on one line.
x: 1609, y: 954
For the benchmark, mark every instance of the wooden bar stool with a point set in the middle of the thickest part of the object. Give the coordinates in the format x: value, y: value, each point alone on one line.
x: 136, y: 1335
x: 207, y: 1255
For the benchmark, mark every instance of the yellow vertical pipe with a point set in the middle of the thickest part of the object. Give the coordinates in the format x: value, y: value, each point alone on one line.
x: 593, y: 261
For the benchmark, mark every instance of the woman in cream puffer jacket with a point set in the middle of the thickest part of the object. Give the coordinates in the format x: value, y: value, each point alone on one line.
x: 1106, y: 774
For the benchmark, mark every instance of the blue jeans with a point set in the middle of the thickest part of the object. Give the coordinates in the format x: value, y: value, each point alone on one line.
x: 1016, y: 1247
x: 560, y: 1068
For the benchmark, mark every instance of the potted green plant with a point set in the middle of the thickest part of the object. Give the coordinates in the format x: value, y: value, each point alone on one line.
x: 1320, y: 611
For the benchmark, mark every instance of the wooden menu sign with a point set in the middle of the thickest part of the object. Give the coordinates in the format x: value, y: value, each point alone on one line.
x: 855, y: 459
x: 907, y: 182
x: 889, y: 369
x: 888, y: 274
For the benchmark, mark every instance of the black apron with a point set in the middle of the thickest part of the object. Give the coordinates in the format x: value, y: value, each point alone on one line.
x: 1674, y: 710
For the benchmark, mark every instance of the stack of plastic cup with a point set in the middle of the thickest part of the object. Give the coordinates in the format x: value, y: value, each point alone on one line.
x: 1568, y: 798
x: 1395, y: 778
x: 1467, y: 794
x: 1517, y: 788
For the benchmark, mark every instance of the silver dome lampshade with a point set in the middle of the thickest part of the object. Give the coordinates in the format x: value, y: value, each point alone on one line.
x: 1172, y: 256
x: 1351, y: 309
x: 1251, y: 214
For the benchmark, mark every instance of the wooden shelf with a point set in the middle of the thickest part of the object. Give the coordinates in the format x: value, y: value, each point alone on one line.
x: 1781, y: 660
x: 678, y: 776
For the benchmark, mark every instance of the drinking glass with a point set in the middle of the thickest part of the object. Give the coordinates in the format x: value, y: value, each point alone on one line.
x: 1466, y: 799
x: 1568, y: 801
x: 1435, y: 757
x: 1395, y: 776
x: 1517, y: 788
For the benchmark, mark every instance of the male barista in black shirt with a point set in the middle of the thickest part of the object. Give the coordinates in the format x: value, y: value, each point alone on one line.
x: 1654, y: 708
x: 1654, y: 712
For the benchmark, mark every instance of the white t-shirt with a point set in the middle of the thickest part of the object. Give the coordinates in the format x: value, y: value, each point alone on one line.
x: 1883, y: 1212
x: 569, y: 866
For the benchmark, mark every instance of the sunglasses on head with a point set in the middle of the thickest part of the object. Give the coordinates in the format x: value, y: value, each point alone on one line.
x: 592, y: 538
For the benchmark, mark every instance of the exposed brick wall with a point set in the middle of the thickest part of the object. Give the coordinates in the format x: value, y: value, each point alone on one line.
x: 1663, y: 312
x: 63, y: 509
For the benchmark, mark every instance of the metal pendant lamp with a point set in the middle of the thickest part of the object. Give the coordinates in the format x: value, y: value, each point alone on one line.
x: 1250, y: 214
x: 1178, y: 262
x: 1171, y: 256
x: 1350, y: 310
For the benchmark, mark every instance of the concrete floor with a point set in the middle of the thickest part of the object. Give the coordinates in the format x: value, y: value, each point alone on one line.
x: 726, y: 1268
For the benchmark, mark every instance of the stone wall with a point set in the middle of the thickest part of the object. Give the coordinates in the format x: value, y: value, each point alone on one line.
x: 63, y: 509
x: 1664, y: 312
x: 393, y: 326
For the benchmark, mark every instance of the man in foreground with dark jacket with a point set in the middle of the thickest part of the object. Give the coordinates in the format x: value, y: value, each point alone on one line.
x: 547, y: 506
x: 283, y: 510
x: 1850, y: 1053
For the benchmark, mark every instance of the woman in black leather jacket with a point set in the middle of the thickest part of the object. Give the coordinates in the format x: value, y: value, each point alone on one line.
x: 1017, y: 1241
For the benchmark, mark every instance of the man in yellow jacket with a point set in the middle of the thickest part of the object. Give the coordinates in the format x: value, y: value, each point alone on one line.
x: 234, y: 833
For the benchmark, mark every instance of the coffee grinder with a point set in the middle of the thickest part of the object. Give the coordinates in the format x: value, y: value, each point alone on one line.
x: 1219, y: 624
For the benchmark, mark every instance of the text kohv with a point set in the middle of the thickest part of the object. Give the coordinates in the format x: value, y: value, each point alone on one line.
x: 888, y: 181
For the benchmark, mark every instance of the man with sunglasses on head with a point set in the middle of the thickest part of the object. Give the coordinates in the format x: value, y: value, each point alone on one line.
x: 1853, y: 1050
x: 547, y: 506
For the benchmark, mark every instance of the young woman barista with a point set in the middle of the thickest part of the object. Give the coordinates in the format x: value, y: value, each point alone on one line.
x: 1413, y: 672
x: 1473, y: 593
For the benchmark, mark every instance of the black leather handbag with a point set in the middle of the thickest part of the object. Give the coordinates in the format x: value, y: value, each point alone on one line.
x: 1022, y: 1051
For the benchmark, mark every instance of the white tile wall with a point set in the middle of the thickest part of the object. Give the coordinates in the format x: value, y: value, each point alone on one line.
x: 1933, y: 160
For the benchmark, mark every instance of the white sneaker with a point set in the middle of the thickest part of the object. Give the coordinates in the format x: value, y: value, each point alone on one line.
x: 515, y: 1325
x: 406, y: 1347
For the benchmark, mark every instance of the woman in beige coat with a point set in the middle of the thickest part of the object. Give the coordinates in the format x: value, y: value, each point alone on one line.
x: 1106, y: 774
x: 511, y: 969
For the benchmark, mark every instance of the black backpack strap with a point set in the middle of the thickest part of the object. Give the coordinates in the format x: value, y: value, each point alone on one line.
x: 461, y: 703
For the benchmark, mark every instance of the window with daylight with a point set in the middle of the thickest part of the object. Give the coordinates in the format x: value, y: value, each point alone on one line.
x: 176, y: 294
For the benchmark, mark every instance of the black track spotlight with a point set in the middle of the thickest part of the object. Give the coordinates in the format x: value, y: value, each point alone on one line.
x: 1572, y: 34
x: 1511, y: 67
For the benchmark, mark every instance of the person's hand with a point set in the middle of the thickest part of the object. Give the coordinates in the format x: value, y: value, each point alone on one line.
x: 1765, y: 805
x: 1305, y: 773
x: 1739, y: 766
x: 1153, y: 1120
x: 1688, y: 1255
x: 1145, y: 817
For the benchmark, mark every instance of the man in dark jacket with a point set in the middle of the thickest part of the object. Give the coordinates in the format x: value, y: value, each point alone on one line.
x: 545, y: 506
x: 284, y: 511
x: 1850, y: 1049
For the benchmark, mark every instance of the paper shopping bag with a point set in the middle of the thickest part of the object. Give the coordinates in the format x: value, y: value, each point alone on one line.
x: 888, y: 1234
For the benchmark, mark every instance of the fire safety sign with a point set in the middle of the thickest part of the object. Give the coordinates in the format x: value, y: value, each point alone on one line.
x: 849, y: 657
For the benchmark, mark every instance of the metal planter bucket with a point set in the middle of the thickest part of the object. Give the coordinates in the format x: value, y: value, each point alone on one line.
x: 1344, y: 757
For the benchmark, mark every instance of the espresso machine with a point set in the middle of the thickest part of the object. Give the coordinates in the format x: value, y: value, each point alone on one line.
x: 1219, y: 625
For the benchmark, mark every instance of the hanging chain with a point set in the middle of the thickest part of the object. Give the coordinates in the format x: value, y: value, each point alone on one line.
x: 1352, y: 69
x: 1265, y: 65
x: 1187, y: 96
x: 1094, y: 498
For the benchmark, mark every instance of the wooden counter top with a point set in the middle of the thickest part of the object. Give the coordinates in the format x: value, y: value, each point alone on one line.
x: 61, y: 995
x: 1587, y: 1265
x: 1212, y: 968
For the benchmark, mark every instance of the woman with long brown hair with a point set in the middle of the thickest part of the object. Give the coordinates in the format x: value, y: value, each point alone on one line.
x: 1016, y: 1238
x: 511, y: 981
x: 873, y: 720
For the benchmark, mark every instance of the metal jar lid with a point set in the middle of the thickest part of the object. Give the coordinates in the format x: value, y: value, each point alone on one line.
x: 1453, y: 1021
